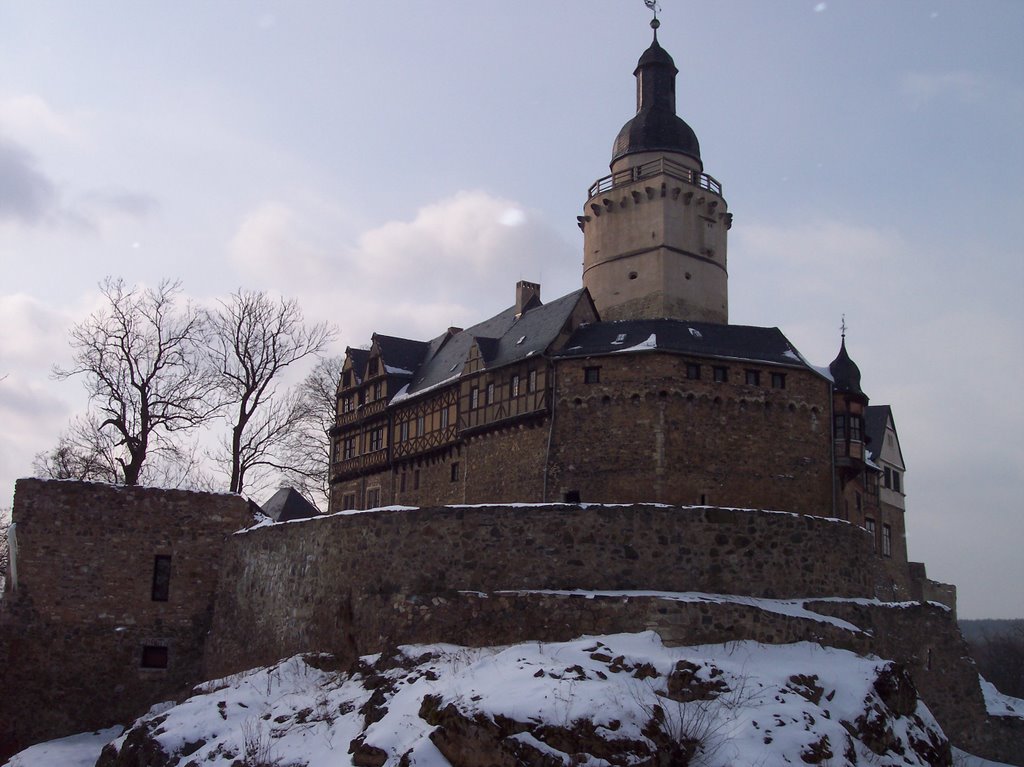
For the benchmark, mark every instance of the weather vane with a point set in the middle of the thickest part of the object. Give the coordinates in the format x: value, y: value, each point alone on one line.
x: 653, y: 5
x: 842, y: 327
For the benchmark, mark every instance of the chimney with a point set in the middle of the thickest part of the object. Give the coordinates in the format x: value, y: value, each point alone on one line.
x: 527, y: 296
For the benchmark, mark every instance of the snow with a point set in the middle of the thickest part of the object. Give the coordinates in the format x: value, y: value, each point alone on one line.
x: 998, y: 704
x: 650, y: 343
x: 767, y: 705
x: 404, y: 394
x: 963, y: 759
x: 397, y: 371
x: 80, y: 750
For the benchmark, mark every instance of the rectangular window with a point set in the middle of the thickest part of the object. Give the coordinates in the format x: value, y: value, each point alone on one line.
x: 886, y: 477
x: 753, y: 377
x: 855, y: 430
x: 346, y: 404
x: 444, y: 418
x: 416, y: 480
x: 421, y: 425
x: 403, y: 431
x: 531, y: 382
x: 373, y: 498
x: 778, y: 380
x: 840, y: 422
x: 154, y: 656
x: 374, y: 367
x: 161, y: 577
x: 490, y: 394
x: 346, y: 378
x: 887, y: 540
x: 474, y: 398
x: 721, y: 374
x: 349, y: 448
x: 377, y: 439
x: 401, y: 482
x: 592, y: 375
x: 869, y: 525
x: 896, y: 481
x: 348, y: 501
x: 693, y: 371
x: 455, y: 471
x: 513, y: 387
x: 378, y: 390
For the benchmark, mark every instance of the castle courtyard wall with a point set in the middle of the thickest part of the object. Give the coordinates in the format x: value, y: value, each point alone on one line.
x: 74, y: 626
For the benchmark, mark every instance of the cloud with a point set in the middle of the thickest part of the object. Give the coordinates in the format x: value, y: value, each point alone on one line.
x: 456, y: 261
x: 28, y: 116
x: 26, y: 194
x: 922, y: 88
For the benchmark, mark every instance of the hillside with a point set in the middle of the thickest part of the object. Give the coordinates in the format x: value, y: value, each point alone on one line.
x: 621, y: 699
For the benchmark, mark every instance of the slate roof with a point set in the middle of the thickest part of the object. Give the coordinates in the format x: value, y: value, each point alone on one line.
x: 287, y: 504
x: 359, y: 359
x: 503, y: 339
x: 845, y: 373
x: 875, y: 418
x: 702, y: 339
x: 401, y: 354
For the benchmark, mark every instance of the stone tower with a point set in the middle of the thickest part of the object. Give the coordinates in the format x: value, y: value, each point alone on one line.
x: 654, y: 229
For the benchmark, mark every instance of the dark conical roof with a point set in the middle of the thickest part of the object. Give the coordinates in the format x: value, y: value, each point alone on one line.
x: 845, y: 373
x: 656, y: 126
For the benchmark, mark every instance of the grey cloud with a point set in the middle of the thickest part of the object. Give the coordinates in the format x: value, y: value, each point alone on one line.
x: 127, y: 203
x: 26, y: 194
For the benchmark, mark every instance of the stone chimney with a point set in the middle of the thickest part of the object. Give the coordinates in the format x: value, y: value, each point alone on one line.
x: 527, y: 296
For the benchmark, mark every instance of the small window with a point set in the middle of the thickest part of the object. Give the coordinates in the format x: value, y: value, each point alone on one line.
x: 421, y: 425
x: 869, y: 525
x: 531, y: 382
x: 753, y: 377
x: 374, y: 367
x: 348, y: 501
x: 349, y: 448
x: 346, y: 378
x: 886, y: 540
x: 571, y: 496
x: 855, y: 428
x: 373, y: 498
x: 887, y: 477
x: 490, y: 394
x: 403, y: 431
x: 693, y: 371
x: 377, y: 439
x: 721, y: 374
x: 154, y: 656
x: 778, y: 380
x: 444, y: 418
x: 513, y: 386
x: 455, y: 471
x: 416, y: 480
x: 401, y: 482
x: 161, y: 577
x: 474, y: 398
x: 840, y: 423
x: 346, y: 404
x: 897, y: 481
x: 592, y: 375
x: 378, y: 390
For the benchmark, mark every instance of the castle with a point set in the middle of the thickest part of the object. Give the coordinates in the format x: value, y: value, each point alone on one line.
x: 633, y: 388
x: 596, y: 464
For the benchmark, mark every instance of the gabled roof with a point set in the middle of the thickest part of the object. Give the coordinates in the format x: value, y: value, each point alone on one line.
x: 505, y: 339
x: 400, y: 356
x: 876, y: 417
x: 359, y: 358
x: 287, y: 504
x: 702, y: 339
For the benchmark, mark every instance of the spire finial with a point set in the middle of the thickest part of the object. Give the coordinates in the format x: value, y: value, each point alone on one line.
x: 654, y: 7
x: 842, y: 327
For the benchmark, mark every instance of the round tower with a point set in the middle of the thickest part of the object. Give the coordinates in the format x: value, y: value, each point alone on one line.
x: 654, y: 229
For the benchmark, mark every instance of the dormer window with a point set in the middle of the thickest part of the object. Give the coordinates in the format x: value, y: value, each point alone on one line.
x: 374, y: 366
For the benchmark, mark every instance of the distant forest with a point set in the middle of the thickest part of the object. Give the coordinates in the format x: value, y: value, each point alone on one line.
x: 998, y: 648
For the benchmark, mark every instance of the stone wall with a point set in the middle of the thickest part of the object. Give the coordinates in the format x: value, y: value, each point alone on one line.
x: 645, y: 432
x: 74, y: 628
x: 322, y: 584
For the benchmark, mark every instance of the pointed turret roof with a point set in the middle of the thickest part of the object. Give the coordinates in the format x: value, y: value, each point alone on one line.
x: 845, y: 373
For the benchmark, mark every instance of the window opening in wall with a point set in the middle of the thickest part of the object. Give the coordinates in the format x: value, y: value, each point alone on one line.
x: 346, y: 378
x: 444, y: 418
x: 346, y: 404
x: 693, y: 371
x: 855, y: 429
x: 378, y: 390
x: 421, y: 425
x: 373, y: 366
x: 403, y: 431
x: 531, y: 382
x: 161, y: 577
x: 474, y: 398
x: 840, y: 424
x: 592, y: 375
x: 416, y: 480
x: 455, y: 471
x: 753, y: 377
x: 348, y: 501
x: 887, y: 540
x: 896, y: 481
x: 373, y: 497
x: 869, y: 525
x: 349, y: 450
x: 401, y: 482
x: 490, y: 394
x: 513, y: 386
x: 886, y: 477
x: 860, y: 503
x: 377, y: 439
x: 721, y: 374
x: 703, y: 499
x: 154, y: 656
x: 778, y: 380
x: 571, y: 496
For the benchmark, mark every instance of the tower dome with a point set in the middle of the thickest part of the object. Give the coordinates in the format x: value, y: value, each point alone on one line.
x: 845, y: 373
x: 656, y: 126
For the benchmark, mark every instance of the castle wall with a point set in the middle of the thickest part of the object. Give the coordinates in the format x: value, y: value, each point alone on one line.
x: 319, y: 585
x: 646, y: 432
x: 74, y: 629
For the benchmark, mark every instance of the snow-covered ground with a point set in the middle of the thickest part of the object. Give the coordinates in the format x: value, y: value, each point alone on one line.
x: 607, y: 700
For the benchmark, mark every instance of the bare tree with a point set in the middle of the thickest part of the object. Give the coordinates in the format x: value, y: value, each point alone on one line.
x: 256, y: 338
x: 141, y: 357
x: 306, y: 455
x: 83, y: 452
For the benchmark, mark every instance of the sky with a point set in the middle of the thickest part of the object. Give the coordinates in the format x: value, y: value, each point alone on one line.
x: 397, y: 167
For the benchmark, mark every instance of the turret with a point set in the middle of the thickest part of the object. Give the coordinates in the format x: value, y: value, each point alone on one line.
x: 654, y: 229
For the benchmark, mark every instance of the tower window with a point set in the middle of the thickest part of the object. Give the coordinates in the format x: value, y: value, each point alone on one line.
x: 753, y: 377
x: 592, y: 375
x: 161, y: 577
x: 455, y: 471
x: 840, y: 424
x: 869, y: 524
x: 896, y: 481
x: 154, y: 656
x: 693, y: 371
x: 778, y: 380
x: 887, y: 540
x: 721, y: 373
x: 855, y: 429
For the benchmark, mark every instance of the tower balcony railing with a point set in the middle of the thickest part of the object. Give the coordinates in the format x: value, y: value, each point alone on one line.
x: 659, y: 167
